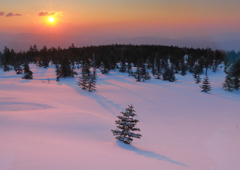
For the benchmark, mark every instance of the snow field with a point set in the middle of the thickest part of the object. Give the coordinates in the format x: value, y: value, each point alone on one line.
x: 58, y: 126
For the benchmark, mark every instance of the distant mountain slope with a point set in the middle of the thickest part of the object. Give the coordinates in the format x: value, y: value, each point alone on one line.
x: 22, y: 41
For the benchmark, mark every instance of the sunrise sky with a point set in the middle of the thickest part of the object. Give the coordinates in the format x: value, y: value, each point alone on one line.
x: 158, y: 18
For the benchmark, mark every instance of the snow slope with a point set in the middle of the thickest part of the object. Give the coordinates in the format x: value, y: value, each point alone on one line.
x: 58, y: 126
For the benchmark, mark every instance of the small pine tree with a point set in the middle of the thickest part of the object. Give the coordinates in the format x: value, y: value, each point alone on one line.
x: 196, y: 73
x: 129, y: 70
x: 236, y: 82
x: 228, y: 84
x: 153, y: 67
x: 105, y: 66
x: 145, y: 74
x: 141, y: 73
x: 6, y: 67
x: 65, y: 68
x: 58, y: 72
x: 126, y: 126
x: 158, y: 68
x: 18, y: 68
x: 83, y: 81
x: 169, y: 74
x: 137, y: 74
x: 27, y: 72
x: 92, y: 83
x: 183, y: 69
x: 206, y: 87
x: 172, y: 77
x: 123, y: 66
x: 197, y: 79
x: 5, y: 58
x: 88, y: 79
x: 232, y: 80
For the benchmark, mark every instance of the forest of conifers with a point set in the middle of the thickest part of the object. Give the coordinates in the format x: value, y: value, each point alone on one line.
x: 162, y: 62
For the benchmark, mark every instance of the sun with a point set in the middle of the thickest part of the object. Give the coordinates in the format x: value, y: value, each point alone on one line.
x: 51, y: 19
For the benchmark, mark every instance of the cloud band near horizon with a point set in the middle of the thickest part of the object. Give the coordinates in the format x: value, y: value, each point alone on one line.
x: 2, y: 13
x: 13, y: 15
x: 44, y: 13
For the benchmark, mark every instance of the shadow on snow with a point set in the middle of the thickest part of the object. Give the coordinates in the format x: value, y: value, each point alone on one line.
x: 148, y: 154
x: 103, y: 101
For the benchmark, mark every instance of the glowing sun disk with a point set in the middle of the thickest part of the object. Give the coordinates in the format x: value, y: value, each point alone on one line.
x: 51, y: 19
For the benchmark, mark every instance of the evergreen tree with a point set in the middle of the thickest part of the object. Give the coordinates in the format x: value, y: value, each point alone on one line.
x: 158, y: 67
x: 65, y: 69
x: 197, y: 79
x: 137, y: 74
x: 27, y: 72
x: 141, y: 73
x: 235, y: 69
x: 126, y: 126
x: 18, y: 69
x: 215, y: 66
x: 6, y: 67
x: 88, y: 79
x: 0, y: 57
x: 206, y: 87
x: 235, y: 73
x: 130, y: 72
x: 58, y: 72
x: 83, y: 81
x: 91, y: 83
x: 196, y: 73
x: 183, y: 68
x: 228, y: 84
x: 92, y: 78
x: 44, y: 58
x: 129, y: 69
x: 105, y: 66
x: 154, y: 67
x: 236, y: 82
x: 6, y: 58
x: 123, y: 66
x: 169, y: 74
x: 145, y: 74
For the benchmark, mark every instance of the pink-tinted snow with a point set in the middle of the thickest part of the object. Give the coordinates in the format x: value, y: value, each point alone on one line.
x: 49, y: 125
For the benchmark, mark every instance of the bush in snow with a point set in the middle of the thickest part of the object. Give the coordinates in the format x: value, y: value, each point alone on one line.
x: 126, y: 126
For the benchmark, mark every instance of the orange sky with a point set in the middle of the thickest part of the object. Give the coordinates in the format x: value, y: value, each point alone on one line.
x: 125, y: 18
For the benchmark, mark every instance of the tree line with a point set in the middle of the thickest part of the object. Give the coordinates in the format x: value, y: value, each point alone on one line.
x: 156, y: 61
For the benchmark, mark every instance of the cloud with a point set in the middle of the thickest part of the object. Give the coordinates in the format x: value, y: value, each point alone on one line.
x: 59, y: 13
x: 2, y: 13
x: 44, y: 13
x: 13, y: 15
x: 41, y: 14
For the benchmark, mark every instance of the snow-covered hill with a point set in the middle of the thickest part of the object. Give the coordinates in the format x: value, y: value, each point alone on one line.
x: 49, y: 125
